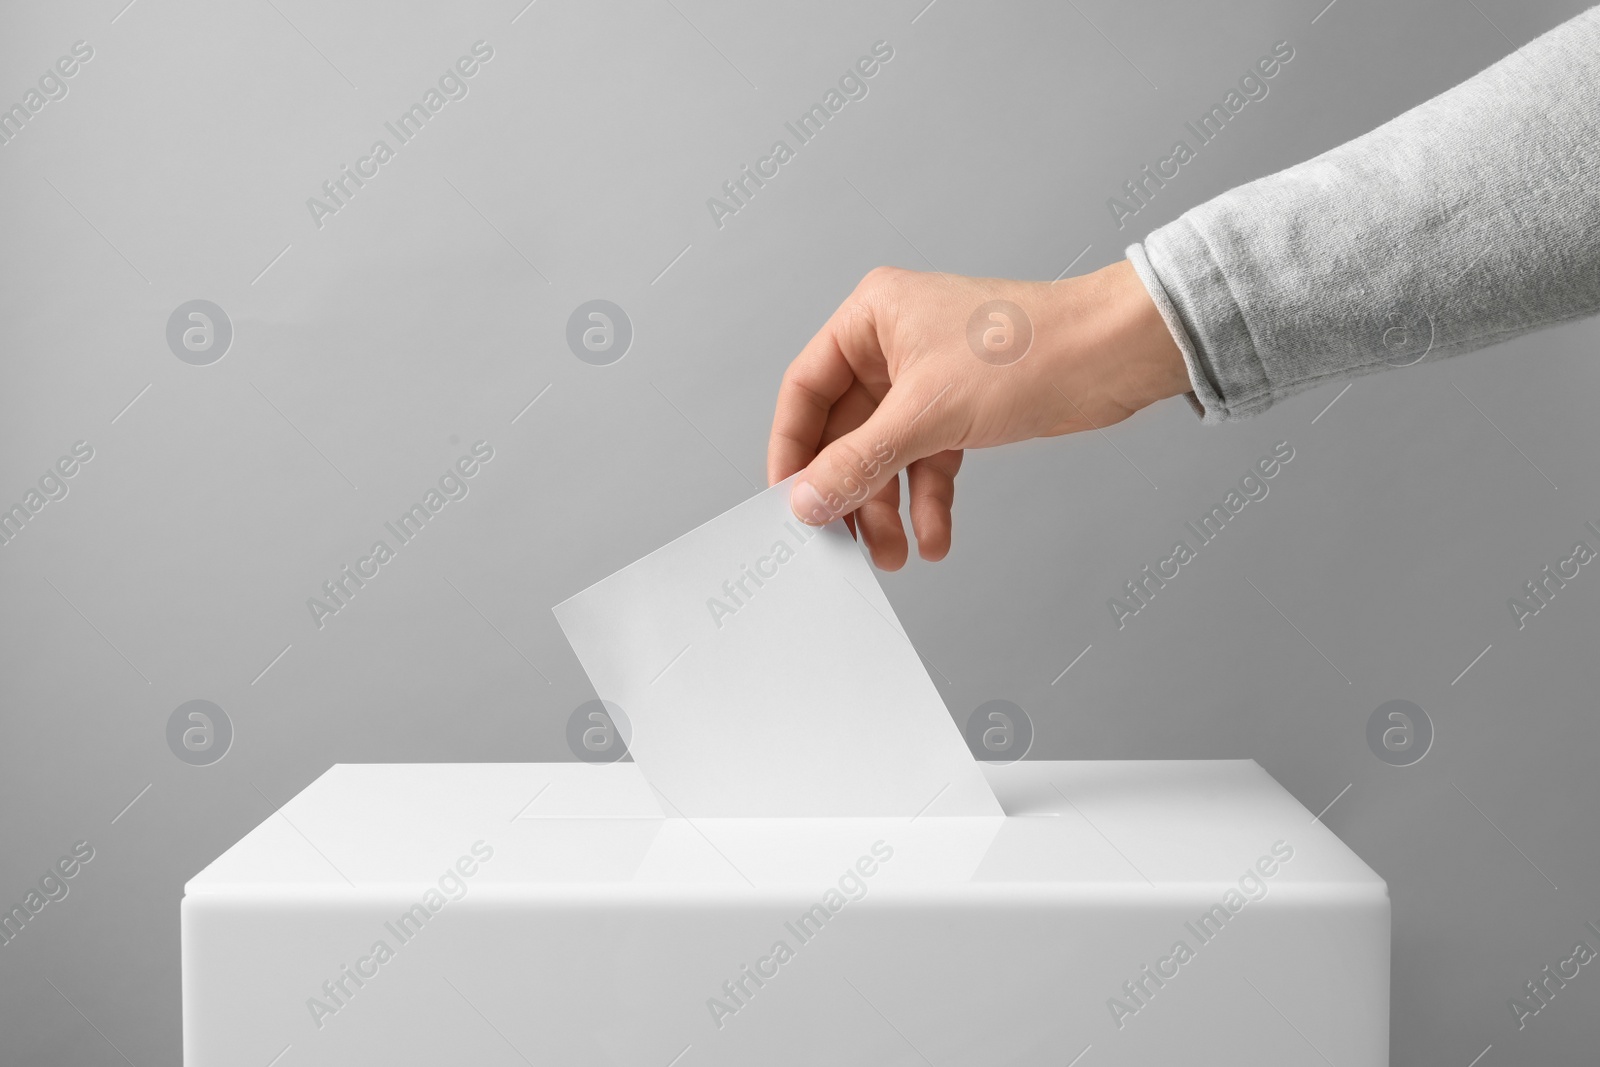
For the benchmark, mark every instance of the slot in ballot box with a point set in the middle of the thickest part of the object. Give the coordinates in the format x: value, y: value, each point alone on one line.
x: 1120, y: 913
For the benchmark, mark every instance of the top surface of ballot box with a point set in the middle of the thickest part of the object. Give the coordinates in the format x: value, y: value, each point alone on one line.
x: 1141, y: 908
x: 1085, y: 827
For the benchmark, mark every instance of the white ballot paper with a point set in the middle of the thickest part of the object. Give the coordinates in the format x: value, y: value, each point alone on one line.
x: 763, y: 673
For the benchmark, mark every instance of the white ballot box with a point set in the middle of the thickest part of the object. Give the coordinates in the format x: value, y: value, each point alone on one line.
x: 1146, y: 912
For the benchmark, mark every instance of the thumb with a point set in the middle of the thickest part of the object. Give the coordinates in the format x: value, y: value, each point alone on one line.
x: 850, y: 471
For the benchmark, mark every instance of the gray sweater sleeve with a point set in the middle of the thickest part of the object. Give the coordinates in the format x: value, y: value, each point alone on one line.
x: 1466, y: 221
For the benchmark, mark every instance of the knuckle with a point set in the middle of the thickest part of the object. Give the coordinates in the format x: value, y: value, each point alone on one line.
x: 856, y: 315
x: 879, y: 280
x: 943, y: 464
x: 795, y: 384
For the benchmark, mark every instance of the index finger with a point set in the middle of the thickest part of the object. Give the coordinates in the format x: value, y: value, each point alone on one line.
x: 826, y: 368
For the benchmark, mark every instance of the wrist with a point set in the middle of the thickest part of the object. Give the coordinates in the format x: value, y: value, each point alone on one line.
x: 1150, y: 365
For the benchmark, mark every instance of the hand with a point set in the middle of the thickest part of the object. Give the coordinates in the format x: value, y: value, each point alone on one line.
x: 895, y: 381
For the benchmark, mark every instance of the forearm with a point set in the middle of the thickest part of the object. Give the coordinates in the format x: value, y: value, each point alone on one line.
x: 1470, y: 219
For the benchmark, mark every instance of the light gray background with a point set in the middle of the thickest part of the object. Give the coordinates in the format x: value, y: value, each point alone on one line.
x: 374, y: 351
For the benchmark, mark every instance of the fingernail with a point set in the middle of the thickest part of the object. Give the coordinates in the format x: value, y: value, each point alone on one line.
x: 807, y: 505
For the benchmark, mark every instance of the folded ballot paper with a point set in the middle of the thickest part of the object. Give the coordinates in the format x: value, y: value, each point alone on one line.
x: 762, y: 672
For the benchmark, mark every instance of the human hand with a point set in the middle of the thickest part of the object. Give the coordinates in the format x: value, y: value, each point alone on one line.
x: 915, y: 367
